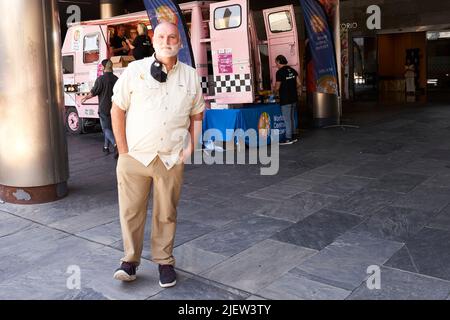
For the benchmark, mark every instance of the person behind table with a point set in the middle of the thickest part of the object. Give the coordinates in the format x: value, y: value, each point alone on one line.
x: 103, y: 88
x: 288, y: 87
x: 133, y: 35
x: 119, y: 43
x: 142, y: 46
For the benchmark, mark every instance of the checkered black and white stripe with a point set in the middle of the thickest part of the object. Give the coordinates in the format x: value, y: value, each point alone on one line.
x: 233, y: 83
x: 205, y: 85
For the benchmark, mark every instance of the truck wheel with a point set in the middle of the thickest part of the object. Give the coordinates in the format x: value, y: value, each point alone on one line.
x: 74, y: 125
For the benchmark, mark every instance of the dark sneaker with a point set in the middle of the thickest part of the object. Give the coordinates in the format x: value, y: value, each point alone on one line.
x: 167, y: 276
x: 126, y: 272
x: 116, y: 153
x: 106, y: 150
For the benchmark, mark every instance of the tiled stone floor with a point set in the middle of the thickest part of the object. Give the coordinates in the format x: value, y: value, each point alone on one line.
x: 343, y: 200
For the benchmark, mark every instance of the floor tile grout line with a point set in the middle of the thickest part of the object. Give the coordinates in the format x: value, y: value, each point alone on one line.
x: 355, y: 289
x: 4, y: 210
x: 216, y: 284
x: 236, y: 254
x: 289, y: 272
x: 97, y: 226
x: 182, y: 270
x: 13, y: 233
x: 59, y: 230
x: 275, y: 218
x: 199, y: 276
x: 345, y: 212
x: 417, y: 274
x: 436, y: 227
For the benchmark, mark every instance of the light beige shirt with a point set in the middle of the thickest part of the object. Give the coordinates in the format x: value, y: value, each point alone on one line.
x: 158, y: 114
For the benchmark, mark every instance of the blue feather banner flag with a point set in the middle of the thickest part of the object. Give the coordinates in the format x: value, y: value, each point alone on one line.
x: 321, y: 65
x: 167, y: 10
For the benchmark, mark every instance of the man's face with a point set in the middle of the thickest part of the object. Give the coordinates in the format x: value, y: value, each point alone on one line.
x: 121, y: 32
x: 166, y: 41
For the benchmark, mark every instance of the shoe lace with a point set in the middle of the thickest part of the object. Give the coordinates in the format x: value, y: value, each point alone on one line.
x: 129, y: 267
x: 166, y: 269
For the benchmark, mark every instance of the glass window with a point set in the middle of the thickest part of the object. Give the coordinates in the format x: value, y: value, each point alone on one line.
x: 91, y: 48
x: 68, y: 64
x: 228, y: 17
x: 280, y: 22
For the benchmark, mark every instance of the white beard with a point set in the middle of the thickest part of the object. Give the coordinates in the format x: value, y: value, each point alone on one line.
x: 166, y: 51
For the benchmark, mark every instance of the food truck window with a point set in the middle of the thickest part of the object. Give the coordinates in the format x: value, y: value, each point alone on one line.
x: 280, y: 22
x: 228, y: 17
x: 91, y: 48
x: 68, y: 65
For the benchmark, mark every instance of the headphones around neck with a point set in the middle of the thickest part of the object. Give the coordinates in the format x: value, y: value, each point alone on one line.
x: 157, y: 71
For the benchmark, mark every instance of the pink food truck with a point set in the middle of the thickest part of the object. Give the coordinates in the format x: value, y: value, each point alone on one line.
x: 235, y: 64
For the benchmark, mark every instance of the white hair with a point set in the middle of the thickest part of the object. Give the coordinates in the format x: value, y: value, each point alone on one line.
x: 142, y: 29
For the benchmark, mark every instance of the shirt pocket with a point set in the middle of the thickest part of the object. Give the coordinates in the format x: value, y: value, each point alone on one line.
x: 147, y: 95
x: 186, y: 96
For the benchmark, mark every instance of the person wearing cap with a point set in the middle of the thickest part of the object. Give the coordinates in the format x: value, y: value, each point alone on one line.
x: 103, y: 88
x: 157, y: 115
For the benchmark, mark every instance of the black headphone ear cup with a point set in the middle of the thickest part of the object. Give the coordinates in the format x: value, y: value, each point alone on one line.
x: 157, y: 72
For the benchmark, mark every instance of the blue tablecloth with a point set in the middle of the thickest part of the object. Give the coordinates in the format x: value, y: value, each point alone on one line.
x: 245, y: 118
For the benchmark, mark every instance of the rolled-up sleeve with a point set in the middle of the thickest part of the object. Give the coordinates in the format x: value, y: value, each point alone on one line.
x: 198, y: 106
x: 98, y: 86
x: 123, y: 90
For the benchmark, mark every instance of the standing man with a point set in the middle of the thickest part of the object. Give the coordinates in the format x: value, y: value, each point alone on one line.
x: 157, y: 106
x: 103, y: 88
x: 288, y: 87
x: 119, y: 42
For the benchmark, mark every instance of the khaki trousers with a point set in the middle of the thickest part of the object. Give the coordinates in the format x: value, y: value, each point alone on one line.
x: 134, y: 184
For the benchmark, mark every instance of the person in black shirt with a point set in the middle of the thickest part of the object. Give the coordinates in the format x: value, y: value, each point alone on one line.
x: 103, y: 88
x: 119, y: 43
x: 142, y: 46
x: 133, y: 35
x: 288, y: 87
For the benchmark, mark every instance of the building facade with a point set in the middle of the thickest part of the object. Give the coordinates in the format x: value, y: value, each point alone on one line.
x: 373, y: 59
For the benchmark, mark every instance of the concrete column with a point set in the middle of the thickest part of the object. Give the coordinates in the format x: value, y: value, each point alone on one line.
x: 33, y: 148
x: 111, y: 8
x: 337, y: 47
